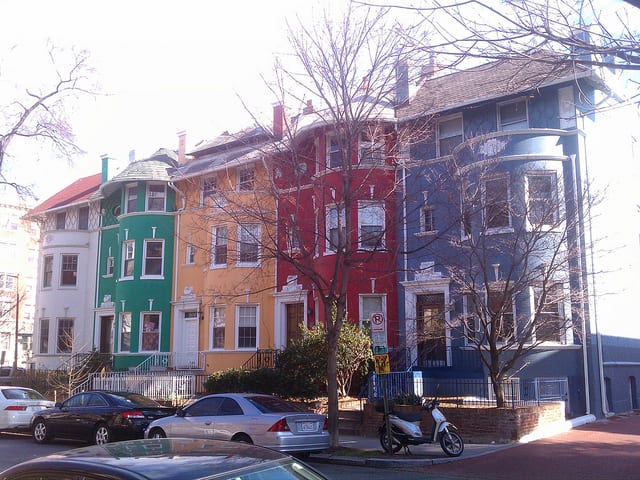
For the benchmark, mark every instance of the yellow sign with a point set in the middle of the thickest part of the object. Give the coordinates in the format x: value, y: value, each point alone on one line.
x: 382, y: 363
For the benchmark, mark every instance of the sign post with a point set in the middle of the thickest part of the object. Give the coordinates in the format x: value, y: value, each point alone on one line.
x: 382, y: 366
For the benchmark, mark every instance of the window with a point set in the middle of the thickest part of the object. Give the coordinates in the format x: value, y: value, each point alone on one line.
x: 500, y: 310
x: 47, y: 271
x: 7, y: 281
x: 65, y: 335
x: 246, y: 179
x: 336, y: 230
x: 370, y: 304
x: 61, y: 220
x: 513, y: 115
x: 83, y: 218
x: 335, y: 146
x: 69, y: 272
x: 217, y: 327
x: 128, y: 257
x: 109, y: 268
x: 371, y: 151
x: 470, y: 318
x: 125, y: 331
x: 155, y: 198
x: 542, y: 198
x: 496, y: 202
x: 220, y: 238
x: 209, y: 189
x: 132, y: 198
x: 150, y: 332
x: 44, y: 335
x: 371, y: 226
x: 427, y: 219
x: 449, y: 134
x: 153, y: 257
x: 190, y: 254
x: 293, y: 238
x: 249, y: 236
x: 550, y: 319
x: 246, y: 334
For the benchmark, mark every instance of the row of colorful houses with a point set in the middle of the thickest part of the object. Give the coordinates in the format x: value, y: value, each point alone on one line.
x: 199, y: 260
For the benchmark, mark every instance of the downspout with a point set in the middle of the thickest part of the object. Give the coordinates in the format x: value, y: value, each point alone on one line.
x: 177, y: 237
x: 95, y: 293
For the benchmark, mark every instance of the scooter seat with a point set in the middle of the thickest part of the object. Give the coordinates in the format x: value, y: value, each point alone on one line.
x: 408, y: 416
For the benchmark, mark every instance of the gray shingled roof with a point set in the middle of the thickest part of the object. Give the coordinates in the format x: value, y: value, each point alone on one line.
x: 489, y: 81
x: 154, y: 168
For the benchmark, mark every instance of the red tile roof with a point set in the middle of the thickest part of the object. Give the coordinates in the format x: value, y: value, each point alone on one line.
x: 78, y: 191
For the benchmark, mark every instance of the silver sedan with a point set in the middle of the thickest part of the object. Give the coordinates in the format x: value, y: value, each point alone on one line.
x: 17, y: 405
x: 247, y: 417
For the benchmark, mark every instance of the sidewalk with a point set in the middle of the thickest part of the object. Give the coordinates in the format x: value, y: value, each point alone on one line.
x: 366, y: 451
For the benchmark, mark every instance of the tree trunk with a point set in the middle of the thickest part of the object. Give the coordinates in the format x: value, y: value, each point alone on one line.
x: 332, y: 385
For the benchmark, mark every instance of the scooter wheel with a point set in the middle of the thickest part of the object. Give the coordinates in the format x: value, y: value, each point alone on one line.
x: 384, y: 442
x: 451, y: 443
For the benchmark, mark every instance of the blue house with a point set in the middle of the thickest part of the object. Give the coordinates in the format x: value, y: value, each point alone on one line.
x: 501, y: 258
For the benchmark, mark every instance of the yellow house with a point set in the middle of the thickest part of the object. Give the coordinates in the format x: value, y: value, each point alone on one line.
x: 223, y: 302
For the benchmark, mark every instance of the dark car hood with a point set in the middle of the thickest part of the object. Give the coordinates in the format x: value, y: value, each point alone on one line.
x: 160, y: 458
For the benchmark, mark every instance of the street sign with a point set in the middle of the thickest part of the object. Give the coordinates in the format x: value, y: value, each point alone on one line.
x: 378, y: 322
x: 381, y: 363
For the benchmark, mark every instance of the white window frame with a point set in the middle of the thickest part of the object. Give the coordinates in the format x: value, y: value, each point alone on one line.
x: 47, y: 271
x: 367, y: 212
x: 217, y: 320
x: 520, y: 123
x: 62, y: 269
x: 215, y: 236
x: 560, y: 312
x: 443, y: 134
x: 209, y: 190
x: 61, y: 221
x: 249, y: 234
x: 59, y: 326
x: 153, y: 194
x: 246, y: 178
x: 143, y: 330
x: 512, y: 312
x: 333, y: 148
x: 553, y: 201
x: 430, y: 226
x: 190, y: 254
x: 131, y: 195
x: 128, y: 255
x: 110, y: 266
x: 81, y: 225
x: 497, y: 228
x: 239, y: 324
x: 335, y: 219
x: 146, y: 258
x: 371, y: 152
x: 44, y: 334
x: 125, y: 328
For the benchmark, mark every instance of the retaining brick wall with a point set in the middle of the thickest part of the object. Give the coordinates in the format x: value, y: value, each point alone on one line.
x: 480, y: 424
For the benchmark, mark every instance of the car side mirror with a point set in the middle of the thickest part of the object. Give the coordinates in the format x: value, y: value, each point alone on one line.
x: 58, y: 405
x: 180, y: 412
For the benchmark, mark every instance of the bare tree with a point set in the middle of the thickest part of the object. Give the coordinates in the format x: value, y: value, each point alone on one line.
x: 512, y: 252
x: 38, y: 113
x: 588, y: 32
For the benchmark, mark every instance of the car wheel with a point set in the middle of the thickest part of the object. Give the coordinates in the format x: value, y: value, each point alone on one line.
x: 157, y: 433
x: 40, y: 431
x: 242, y: 438
x: 101, y: 435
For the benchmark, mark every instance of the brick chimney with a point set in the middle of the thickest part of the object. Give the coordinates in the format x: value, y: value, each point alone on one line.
x: 308, y: 108
x: 182, y: 147
x: 278, y: 120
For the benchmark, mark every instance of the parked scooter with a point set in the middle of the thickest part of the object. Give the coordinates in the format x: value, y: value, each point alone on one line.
x: 405, y: 429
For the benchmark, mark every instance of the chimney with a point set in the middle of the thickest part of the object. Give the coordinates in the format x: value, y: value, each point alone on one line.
x: 429, y: 70
x: 132, y: 156
x: 105, y: 168
x: 308, y: 108
x: 402, y: 83
x: 182, y: 146
x: 278, y: 120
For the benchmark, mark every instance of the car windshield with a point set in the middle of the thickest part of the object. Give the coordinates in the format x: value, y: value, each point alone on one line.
x: 272, y: 405
x: 130, y: 399
x: 21, y: 394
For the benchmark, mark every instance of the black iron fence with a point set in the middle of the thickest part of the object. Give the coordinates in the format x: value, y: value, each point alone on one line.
x: 473, y: 391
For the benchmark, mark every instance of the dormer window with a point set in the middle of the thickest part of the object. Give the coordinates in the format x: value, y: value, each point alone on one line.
x: 246, y: 179
x: 335, y: 146
x: 513, y: 115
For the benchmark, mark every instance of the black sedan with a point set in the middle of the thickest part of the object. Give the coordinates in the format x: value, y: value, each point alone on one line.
x: 98, y: 417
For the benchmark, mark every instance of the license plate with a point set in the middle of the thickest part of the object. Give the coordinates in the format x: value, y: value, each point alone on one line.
x: 307, y: 427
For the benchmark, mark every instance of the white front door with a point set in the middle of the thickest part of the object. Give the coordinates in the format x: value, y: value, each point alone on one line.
x: 187, y: 347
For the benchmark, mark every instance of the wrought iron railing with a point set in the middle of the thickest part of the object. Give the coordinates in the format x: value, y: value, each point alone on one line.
x: 172, y: 360
x: 262, y: 359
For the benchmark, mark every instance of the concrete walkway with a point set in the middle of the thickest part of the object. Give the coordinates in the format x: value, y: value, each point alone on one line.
x: 368, y: 452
